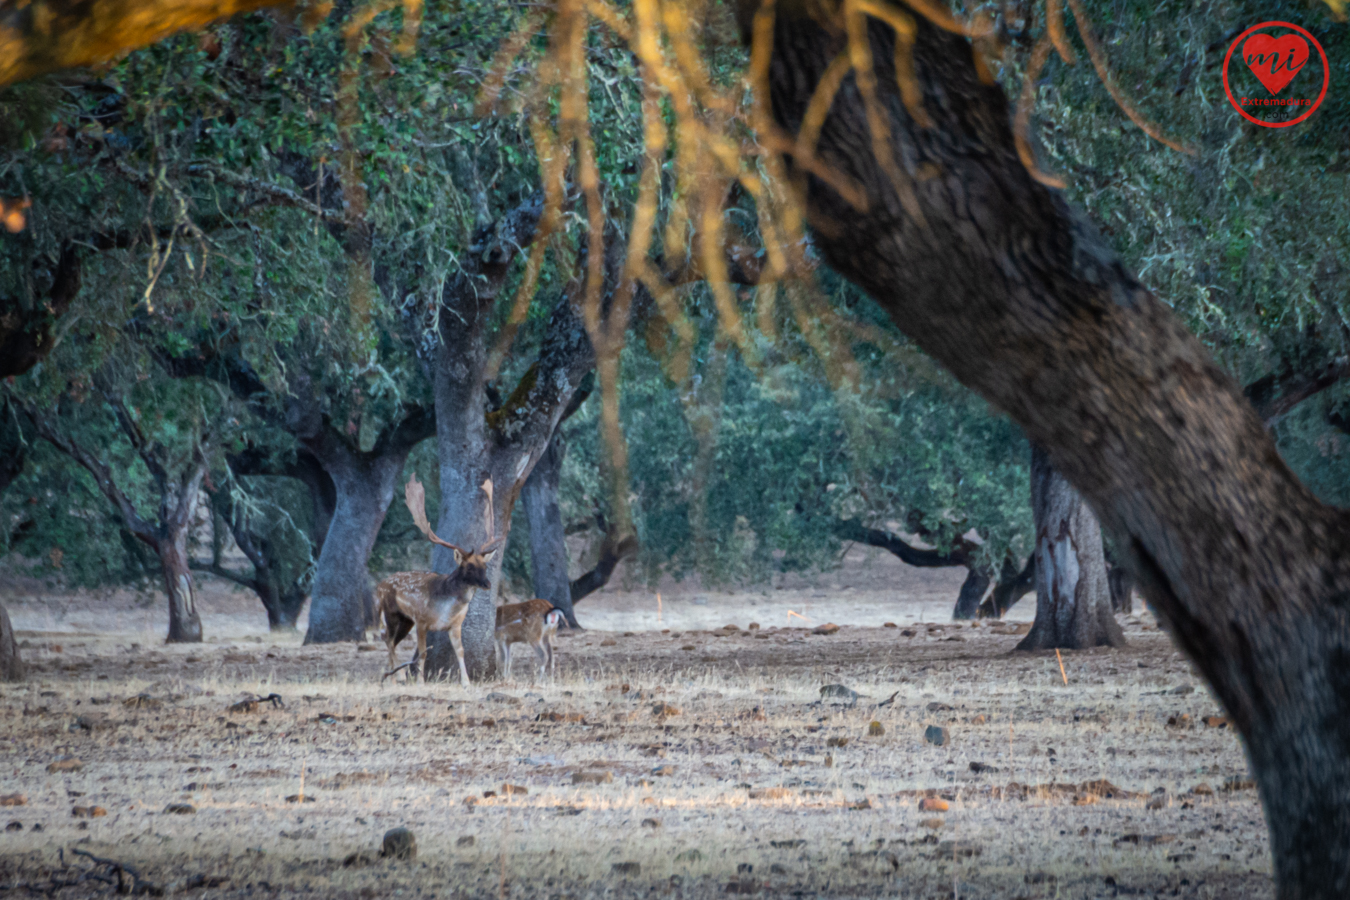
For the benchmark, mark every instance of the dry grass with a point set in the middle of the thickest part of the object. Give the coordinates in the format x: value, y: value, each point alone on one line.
x: 746, y: 718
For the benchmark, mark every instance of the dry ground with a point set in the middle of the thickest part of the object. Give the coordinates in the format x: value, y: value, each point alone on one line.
x: 727, y: 774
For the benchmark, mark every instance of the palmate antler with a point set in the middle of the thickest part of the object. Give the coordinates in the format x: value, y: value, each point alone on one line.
x: 415, y: 496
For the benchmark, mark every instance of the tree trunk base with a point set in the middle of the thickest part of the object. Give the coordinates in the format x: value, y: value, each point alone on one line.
x: 11, y: 663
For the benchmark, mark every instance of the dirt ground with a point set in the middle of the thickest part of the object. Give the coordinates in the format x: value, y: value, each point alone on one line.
x: 720, y: 767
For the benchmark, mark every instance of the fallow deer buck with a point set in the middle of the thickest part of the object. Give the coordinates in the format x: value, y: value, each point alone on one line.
x: 429, y: 601
x: 534, y: 622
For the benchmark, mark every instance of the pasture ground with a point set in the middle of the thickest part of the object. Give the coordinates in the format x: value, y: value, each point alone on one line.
x: 726, y: 765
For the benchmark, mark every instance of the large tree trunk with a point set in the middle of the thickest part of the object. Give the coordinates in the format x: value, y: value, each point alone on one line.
x: 340, y: 598
x: 996, y: 277
x: 972, y: 592
x: 185, y: 625
x: 1073, y: 600
x: 548, y: 546
x: 11, y: 664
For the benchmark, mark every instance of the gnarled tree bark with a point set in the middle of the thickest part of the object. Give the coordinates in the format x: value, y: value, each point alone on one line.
x: 995, y: 276
x: 1073, y: 600
x: 548, y: 549
x: 11, y: 663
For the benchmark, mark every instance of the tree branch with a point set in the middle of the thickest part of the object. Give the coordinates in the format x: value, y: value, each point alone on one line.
x: 853, y: 530
x: 1275, y: 396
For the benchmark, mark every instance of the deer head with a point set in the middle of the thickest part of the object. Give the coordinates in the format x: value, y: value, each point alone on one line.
x: 472, y: 563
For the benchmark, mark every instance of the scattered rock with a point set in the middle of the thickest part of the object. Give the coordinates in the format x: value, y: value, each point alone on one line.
x: 358, y: 860
x: 827, y: 628
x: 1203, y: 790
x: 938, y: 707
x: 596, y: 777
x: 626, y: 869
x: 933, y: 824
x: 875, y: 729
x: 864, y: 803
x: 498, y: 697
x: 770, y: 793
x: 509, y: 789
x: 180, y: 809
x: 1157, y: 801
x: 792, y: 844
x: 65, y: 764
x: 1217, y: 721
x: 980, y: 768
x: 13, y: 800
x: 651, y: 823
x: 936, y: 735
x: 837, y: 742
x: 753, y: 626
x: 142, y: 701
x: 688, y: 647
x: 933, y: 804
x: 301, y: 798
x: 1181, y: 721
x: 889, y: 625
x: 979, y: 720
x: 14, y: 826
x: 665, y: 709
x: 662, y: 771
x: 1238, y: 784
x: 840, y: 692
x: 610, y: 642
x: 1183, y: 690
x: 399, y: 843
x: 465, y: 840
x: 87, y: 812
x: 742, y: 887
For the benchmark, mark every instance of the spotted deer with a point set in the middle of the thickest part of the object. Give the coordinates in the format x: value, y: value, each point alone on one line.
x: 534, y: 622
x: 429, y: 601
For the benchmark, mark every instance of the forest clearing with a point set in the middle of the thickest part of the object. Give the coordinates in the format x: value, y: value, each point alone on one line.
x: 727, y: 774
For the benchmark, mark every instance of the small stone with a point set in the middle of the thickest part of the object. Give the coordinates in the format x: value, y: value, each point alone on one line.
x: 836, y: 742
x: 499, y: 697
x: 301, y: 798
x: 1217, y: 721
x: 665, y: 709
x: 1158, y: 801
x: 980, y: 768
x: 180, y: 809
x: 509, y: 789
x: 875, y: 729
x: 688, y: 647
x: 753, y: 626
x: 864, y: 803
x: 979, y: 720
x: 791, y: 844
x: 358, y: 860
x: 13, y: 800
x: 651, y: 823
x: 399, y: 843
x: 597, y: 777
x: 935, y: 735
x: 932, y: 824
x: 827, y: 628
x: 1239, y: 784
x: 731, y: 628
x: 1181, y: 721
x: 889, y: 625
x: 839, y: 691
x: 610, y: 642
x: 14, y: 826
x: 66, y: 764
x: 935, y: 706
x: 1203, y: 790
x: 626, y: 869
x: 933, y: 804
x: 87, y: 812
x: 662, y: 771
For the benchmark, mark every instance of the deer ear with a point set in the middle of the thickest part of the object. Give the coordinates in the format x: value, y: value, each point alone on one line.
x: 459, y: 557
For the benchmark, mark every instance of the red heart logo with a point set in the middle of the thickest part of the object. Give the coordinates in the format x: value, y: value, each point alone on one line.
x: 1275, y: 60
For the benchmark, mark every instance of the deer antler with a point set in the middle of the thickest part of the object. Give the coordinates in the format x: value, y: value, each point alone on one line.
x: 489, y: 518
x: 416, y: 498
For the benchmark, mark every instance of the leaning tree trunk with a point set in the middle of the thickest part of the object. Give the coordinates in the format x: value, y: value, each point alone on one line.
x: 996, y: 277
x: 548, y: 545
x: 11, y: 664
x: 185, y: 625
x: 340, y: 596
x: 1073, y: 600
x: 972, y: 592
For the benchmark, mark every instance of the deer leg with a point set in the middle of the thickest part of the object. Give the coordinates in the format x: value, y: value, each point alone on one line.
x: 421, y: 655
x: 456, y: 629
x: 541, y: 655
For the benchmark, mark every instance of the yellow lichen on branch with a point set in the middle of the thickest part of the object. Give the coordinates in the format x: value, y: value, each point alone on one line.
x: 49, y: 35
